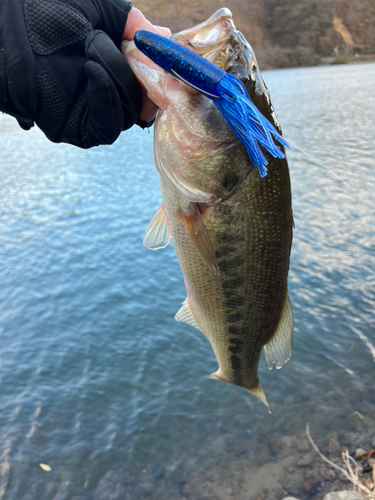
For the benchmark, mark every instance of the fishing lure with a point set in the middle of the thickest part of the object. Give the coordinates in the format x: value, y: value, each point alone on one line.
x: 226, y: 91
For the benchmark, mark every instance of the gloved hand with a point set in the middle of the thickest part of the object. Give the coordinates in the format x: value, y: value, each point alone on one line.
x: 61, y: 67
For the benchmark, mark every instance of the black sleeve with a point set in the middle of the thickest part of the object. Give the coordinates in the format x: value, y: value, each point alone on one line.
x: 61, y: 68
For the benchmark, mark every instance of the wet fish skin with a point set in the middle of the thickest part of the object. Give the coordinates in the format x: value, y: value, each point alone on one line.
x: 237, y: 288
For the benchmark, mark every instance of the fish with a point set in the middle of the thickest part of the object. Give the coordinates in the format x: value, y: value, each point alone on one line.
x: 231, y: 227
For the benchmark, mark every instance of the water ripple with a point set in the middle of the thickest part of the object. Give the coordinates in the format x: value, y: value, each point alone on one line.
x: 99, y: 381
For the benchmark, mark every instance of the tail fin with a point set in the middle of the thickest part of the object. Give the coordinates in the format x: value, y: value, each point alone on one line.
x: 257, y: 391
x: 261, y: 397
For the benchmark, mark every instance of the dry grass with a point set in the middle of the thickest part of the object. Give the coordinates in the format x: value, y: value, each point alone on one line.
x: 351, y: 471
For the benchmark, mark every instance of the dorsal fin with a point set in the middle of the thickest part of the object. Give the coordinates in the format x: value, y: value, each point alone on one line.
x: 157, y: 234
x: 279, y: 349
x: 185, y: 315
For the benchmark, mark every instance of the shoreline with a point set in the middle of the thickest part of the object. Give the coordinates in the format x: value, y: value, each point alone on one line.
x: 328, y: 61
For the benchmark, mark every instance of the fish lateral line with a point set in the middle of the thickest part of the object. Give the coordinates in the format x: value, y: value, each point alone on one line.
x: 225, y: 90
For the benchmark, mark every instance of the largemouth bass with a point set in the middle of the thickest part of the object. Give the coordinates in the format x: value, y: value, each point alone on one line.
x: 232, y: 229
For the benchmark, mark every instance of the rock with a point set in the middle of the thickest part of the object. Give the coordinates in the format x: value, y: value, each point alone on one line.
x: 371, y: 457
x: 344, y: 495
x: 369, y: 484
x: 350, y: 438
x: 366, y: 468
x: 306, y: 460
x: 228, y: 492
x: 272, y: 495
x: 360, y: 453
x: 290, y: 498
x: 284, y: 446
x: 266, y: 481
x: 333, y: 446
x: 292, y: 483
x: 304, y: 445
x: 327, y: 474
x: 311, y: 485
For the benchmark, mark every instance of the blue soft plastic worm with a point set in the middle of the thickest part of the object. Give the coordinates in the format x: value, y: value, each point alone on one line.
x: 226, y: 91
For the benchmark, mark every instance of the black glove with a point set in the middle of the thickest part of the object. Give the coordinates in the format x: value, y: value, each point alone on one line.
x: 61, y: 67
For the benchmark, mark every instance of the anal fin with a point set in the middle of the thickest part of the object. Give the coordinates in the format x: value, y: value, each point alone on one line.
x: 193, y: 221
x: 185, y: 315
x: 279, y: 349
x: 157, y: 234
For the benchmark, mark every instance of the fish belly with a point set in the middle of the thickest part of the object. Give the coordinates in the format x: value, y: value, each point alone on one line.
x: 239, y: 308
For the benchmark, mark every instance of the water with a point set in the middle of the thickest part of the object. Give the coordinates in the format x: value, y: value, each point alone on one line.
x: 98, y: 380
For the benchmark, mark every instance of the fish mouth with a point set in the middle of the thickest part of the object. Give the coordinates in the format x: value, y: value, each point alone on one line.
x: 218, y: 41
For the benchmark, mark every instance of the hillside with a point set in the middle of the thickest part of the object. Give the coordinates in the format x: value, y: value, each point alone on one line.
x: 283, y: 33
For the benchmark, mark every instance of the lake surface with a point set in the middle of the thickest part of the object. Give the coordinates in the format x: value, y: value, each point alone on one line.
x: 97, y: 379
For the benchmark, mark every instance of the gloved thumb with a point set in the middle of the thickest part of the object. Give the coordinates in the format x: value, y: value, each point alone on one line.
x: 137, y: 21
x: 105, y: 115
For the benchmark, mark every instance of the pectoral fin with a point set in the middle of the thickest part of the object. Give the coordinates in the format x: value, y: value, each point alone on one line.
x: 279, y: 348
x: 185, y: 315
x: 193, y: 221
x: 157, y: 234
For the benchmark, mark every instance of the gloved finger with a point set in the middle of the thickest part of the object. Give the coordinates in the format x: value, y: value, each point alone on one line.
x: 106, y: 116
x: 101, y: 50
x: 137, y: 21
